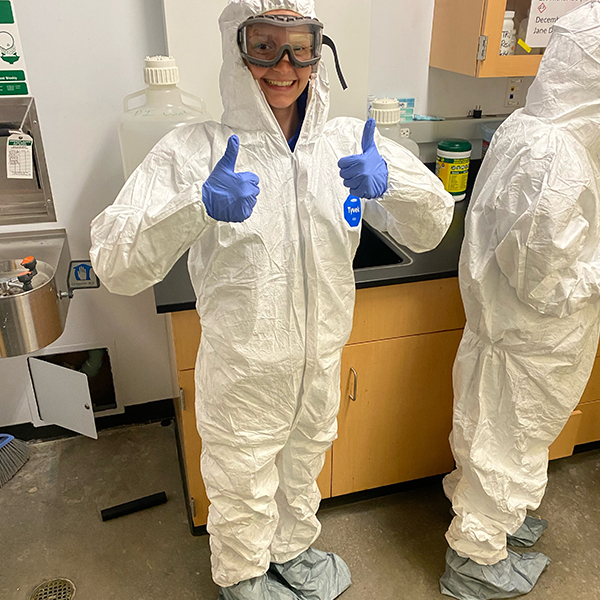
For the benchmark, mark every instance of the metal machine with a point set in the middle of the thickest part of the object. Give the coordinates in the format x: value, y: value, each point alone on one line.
x: 37, y: 279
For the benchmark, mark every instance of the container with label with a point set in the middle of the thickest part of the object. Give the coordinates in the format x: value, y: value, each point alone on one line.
x: 452, y: 166
x: 507, y: 34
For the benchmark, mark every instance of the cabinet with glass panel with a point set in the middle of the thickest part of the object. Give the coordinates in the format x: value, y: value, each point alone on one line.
x: 467, y: 38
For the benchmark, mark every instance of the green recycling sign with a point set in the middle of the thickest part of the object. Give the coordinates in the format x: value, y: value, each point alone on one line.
x: 13, y: 79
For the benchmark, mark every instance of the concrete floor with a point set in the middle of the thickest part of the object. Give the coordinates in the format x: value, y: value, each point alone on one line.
x: 50, y: 526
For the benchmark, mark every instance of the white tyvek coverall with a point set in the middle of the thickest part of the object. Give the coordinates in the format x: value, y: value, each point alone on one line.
x: 275, y: 294
x: 529, y: 276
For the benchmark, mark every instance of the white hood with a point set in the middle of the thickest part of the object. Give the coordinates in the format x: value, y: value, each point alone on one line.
x: 245, y: 107
x: 566, y: 90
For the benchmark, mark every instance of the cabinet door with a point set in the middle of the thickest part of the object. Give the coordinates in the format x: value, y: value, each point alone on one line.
x: 564, y: 444
x: 589, y: 429
x: 62, y: 397
x: 186, y: 338
x: 192, y: 446
x: 394, y: 311
x: 396, y: 428
x: 495, y: 65
x: 455, y: 35
x: 461, y: 31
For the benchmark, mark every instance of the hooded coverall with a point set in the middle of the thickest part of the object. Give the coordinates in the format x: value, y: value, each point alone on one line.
x: 275, y: 294
x: 530, y: 281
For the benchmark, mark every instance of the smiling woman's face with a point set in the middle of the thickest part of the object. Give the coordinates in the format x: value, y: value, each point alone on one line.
x: 283, y: 83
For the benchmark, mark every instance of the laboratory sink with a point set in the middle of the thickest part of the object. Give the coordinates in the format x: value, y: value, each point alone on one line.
x: 377, y: 249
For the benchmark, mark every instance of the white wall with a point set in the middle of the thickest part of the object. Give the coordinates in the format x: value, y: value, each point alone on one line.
x: 399, y: 64
x: 82, y: 59
x: 198, y: 56
x: 347, y: 23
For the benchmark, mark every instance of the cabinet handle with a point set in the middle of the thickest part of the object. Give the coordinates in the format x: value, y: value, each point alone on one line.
x: 353, y: 396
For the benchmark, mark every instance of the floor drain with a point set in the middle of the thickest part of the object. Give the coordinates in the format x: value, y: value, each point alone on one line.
x: 56, y: 589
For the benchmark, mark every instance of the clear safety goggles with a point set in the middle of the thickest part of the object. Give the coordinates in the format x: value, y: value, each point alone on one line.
x: 263, y: 40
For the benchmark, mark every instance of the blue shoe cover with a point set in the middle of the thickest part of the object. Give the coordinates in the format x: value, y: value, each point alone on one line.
x: 314, y: 575
x: 264, y: 587
x: 528, y: 534
x: 515, y: 575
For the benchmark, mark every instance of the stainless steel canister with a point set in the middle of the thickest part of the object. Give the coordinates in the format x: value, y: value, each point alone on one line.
x: 29, y: 320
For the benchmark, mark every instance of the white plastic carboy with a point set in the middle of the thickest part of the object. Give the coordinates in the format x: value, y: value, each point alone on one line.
x: 387, y: 114
x: 142, y: 126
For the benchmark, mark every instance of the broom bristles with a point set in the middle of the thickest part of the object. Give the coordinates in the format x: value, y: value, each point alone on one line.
x: 12, y: 457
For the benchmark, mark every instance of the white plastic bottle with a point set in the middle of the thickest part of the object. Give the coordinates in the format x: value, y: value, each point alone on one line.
x: 386, y: 112
x: 513, y: 42
x: 507, y: 32
x: 142, y: 126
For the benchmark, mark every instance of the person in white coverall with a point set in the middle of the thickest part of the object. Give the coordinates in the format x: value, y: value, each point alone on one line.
x: 530, y: 280
x: 272, y: 230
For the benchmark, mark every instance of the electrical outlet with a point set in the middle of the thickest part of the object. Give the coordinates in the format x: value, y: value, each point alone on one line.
x: 514, y: 92
x: 404, y: 132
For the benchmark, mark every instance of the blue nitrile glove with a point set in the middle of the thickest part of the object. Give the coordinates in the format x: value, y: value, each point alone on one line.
x: 365, y: 174
x: 227, y: 195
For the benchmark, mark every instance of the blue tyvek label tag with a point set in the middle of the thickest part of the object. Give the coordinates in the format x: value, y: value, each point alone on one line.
x: 352, y: 210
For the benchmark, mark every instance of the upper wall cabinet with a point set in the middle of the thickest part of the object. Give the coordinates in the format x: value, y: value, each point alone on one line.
x: 467, y: 37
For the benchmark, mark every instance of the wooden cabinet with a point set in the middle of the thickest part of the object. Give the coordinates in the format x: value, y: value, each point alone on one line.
x: 186, y: 338
x: 589, y: 428
x: 396, y: 426
x: 190, y: 448
x: 466, y: 38
x: 392, y: 311
x: 589, y: 406
x: 564, y: 444
x: 396, y: 393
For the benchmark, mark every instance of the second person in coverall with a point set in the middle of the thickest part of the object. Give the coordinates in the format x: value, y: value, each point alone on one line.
x: 272, y: 231
x: 530, y: 281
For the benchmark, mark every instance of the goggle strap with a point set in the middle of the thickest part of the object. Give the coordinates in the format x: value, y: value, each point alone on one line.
x: 327, y: 41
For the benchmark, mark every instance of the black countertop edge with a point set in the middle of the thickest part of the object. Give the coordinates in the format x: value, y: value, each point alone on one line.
x: 360, y: 285
x: 170, y: 308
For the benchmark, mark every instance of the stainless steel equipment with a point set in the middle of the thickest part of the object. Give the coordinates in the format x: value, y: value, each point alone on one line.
x: 24, y: 200
x: 34, y: 297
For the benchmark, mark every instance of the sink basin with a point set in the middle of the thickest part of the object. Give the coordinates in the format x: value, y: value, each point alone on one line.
x: 377, y: 249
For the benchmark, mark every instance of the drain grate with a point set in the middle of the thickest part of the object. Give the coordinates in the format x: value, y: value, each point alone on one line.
x: 56, y: 589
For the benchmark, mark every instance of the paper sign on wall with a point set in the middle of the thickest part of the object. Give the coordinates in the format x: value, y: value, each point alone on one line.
x: 13, y: 79
x: 542, y: 16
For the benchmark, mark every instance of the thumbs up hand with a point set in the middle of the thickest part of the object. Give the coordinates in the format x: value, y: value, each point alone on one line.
x: 366, y: 174
x: 227, y: 195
